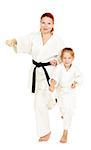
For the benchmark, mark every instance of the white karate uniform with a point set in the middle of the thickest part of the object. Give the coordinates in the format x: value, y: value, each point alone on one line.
x: 66, y: 95
x: 33, y: 45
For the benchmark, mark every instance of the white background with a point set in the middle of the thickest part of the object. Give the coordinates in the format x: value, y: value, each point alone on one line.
x: 17, y: 120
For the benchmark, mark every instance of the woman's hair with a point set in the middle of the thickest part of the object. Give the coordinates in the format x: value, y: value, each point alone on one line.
x: 67, y: 49
x: 50, y: 16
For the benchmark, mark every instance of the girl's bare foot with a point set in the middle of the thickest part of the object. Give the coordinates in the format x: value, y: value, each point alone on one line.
x: 64, y: 136
x: 62, y: 117
x: 45, y: 138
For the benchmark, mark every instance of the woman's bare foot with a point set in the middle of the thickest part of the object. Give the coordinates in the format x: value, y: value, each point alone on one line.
x: 64, y: 136
x: 45, y: 138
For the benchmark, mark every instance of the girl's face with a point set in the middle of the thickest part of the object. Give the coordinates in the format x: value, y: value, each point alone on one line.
x: 46, y: 25
x: 67, y: 59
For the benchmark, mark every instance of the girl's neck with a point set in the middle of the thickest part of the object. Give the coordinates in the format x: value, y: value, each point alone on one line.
x: 67, y: 67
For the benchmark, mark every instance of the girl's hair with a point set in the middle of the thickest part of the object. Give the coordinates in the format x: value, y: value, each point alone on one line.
x: 67, y: 49
x: 50, y: 16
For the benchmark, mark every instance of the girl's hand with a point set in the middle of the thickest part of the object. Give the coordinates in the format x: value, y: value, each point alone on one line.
x: 73, y: 85
x: 52, y: 85
x: 51, y: 88
x: 53, y: 62
x: 11, y: 43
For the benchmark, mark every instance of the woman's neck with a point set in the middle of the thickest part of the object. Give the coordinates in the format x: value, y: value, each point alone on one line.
x: 46, y: 37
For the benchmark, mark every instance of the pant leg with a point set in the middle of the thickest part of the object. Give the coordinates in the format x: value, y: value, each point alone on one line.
x: 67, y: 108
x: 67, y: 119
x: 42, y: 97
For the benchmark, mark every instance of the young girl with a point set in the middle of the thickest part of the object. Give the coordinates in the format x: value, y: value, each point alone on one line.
x: 67, y: 77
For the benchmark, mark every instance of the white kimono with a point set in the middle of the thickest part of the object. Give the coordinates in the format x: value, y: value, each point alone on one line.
x: 67, y: 95
x: 33, y: 45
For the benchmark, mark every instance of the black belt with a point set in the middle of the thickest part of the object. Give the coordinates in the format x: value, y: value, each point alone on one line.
x: 34, y: 73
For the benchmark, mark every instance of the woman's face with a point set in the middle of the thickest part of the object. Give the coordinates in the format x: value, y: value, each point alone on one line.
x: 46, y: 25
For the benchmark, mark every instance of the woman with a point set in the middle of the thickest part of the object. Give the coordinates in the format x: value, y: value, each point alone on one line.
x: 44, y: 46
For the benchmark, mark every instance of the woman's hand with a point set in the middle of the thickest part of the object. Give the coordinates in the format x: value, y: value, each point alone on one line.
x: 53, y: 62
x: 11, y: 43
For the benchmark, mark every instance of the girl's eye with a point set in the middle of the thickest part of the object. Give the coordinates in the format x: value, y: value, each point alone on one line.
x: 69, y: 58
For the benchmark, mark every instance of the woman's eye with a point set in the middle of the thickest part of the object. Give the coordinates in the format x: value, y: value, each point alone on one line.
x: 43, y: 22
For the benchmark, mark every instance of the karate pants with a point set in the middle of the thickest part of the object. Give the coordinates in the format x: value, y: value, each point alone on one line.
x: 42, y: 99
x: 67, y: 104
